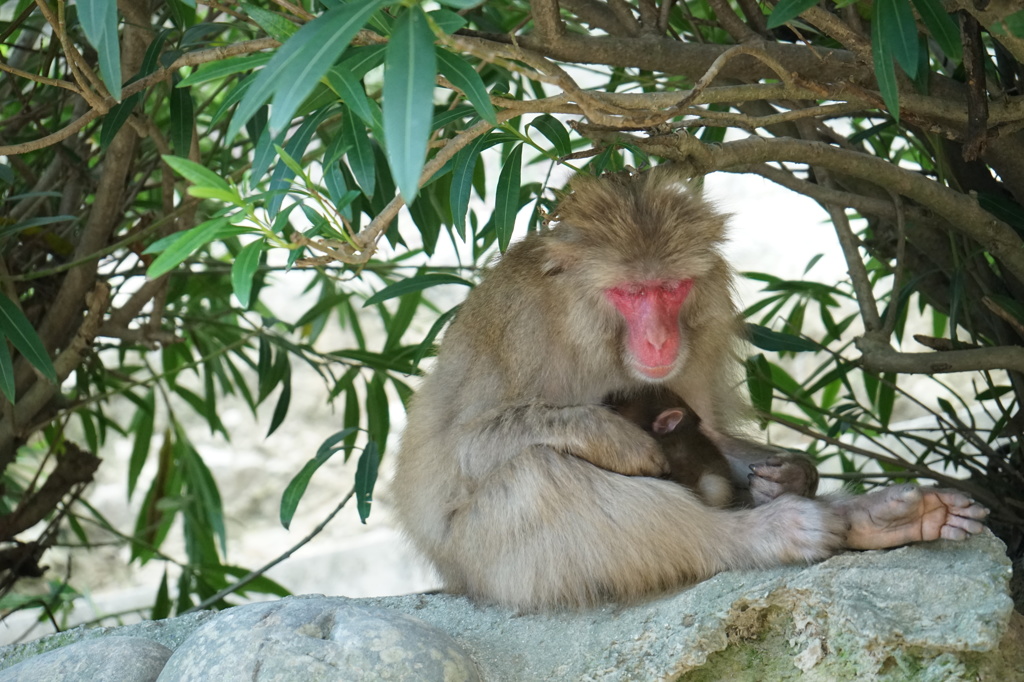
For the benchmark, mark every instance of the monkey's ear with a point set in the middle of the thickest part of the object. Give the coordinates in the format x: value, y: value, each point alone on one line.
x: 667, y: 421
x: 561, y: 251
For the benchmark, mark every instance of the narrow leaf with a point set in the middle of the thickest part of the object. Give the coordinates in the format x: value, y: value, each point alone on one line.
x: 788, y: 10
x: 465, y: 78
x: 895, y: 22
x: 885, y: 70
x: 99, y: 21
x: 227, y: 67
x: 195, y: 173
x: 462, y: 182
x: 770, y: 340
x: 185, y: 245
x: 360, y: 155
x: 506, y: 204
x: 116, y: 118
x: 427, y: 344
x: 942, y: 26
x: 283, y: 402
x: 182, y: 116
x: 446, y: 20
x: 551, y: 128
x: 415, y: 283
x: 759, y: 373
x: 409, y: 71
x: 299, y: 64
x: 243, y: 269
x: 142, y: 427
x: 6, y: 370
x: 276, y: 26
x: 16, y: 327
x: 366, y: 478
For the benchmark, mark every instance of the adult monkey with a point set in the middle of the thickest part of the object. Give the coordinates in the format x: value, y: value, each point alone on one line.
x: 524, y: 490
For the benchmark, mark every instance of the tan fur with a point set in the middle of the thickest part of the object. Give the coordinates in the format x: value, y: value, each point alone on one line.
x: 505, y: 478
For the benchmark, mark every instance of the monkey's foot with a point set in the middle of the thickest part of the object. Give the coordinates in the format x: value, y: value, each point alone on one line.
x: 901, y: 514
x: 781, y: 474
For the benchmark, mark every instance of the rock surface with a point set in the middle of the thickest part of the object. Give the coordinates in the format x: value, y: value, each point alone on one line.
x: 110, y: 659
x: 318, y: 639
x: 935, y: 611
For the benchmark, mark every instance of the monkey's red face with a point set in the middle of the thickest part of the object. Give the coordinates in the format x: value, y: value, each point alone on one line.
x: 651, y: 311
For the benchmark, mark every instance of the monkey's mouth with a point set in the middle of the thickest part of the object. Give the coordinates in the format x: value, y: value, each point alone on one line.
x: 657, y: 372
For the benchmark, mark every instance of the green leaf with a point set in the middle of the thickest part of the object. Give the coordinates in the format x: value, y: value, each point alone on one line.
x: 360, y: 154
x: 446, y: 20
x: 428, y: 340
x: 465, y: 78
x: 409, y: 71
x: 770, y: 340
x: 99, y: 21
x: 276, y: 26
x: 885, y: 70
x: 461, y: 4
x: 942, y: 26
x: 506, y: 204
x: 142, y: 427
x: 116, y: 118
x: 415, y: 283
x: 6, y: 370
x: 204, y: 493
x: 297, y: 486
x: 350, y: 91
x: 759, y: 373
x: 551, y: 128
x: 895, y: 22
x: 886, y: 398
x: 182, y: 116
x: 787, y: 10
x: 283, y: 401
x: 197, y: 174
x: 243, y: 269
x: 366, y: 478
x: 217, y: 70
x: 185, y: 244
x: 462, y: 181
x: 162, y: 604
x: 300, y: 63
x: 35, y: 222
x: 16, y: 327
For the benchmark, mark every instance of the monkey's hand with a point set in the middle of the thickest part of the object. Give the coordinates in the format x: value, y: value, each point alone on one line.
x: 619, y: 446
x: 780, y: 474
x: 901, y: 514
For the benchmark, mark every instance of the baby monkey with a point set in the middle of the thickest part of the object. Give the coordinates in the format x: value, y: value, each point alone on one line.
x: 695, y: 462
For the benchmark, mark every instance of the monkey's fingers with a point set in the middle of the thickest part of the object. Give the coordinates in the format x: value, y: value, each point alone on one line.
x: 951, y: 533
x: 960, y: 504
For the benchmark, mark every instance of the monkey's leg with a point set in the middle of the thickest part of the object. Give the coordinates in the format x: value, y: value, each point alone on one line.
x: 590, y: 432
x: 900, y: 514
x: 762, y: 473
x: 549, y: 530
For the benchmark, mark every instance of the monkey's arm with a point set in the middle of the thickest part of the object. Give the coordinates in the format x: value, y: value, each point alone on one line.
x: 590, y: 432
x: 762, y: 473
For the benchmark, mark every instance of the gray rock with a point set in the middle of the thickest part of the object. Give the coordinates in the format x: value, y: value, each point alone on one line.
x: 316, y: 639
x: 170, y: 633
x: 110, y: 659
x: 934, y: 612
